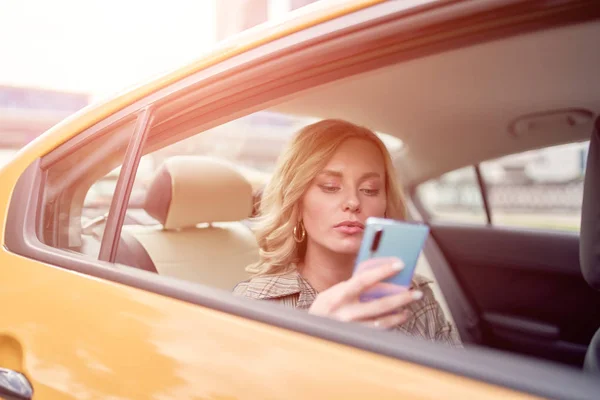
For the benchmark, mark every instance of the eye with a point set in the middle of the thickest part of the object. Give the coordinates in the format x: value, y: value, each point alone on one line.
x: 329, y: 188
x: 370, y: 192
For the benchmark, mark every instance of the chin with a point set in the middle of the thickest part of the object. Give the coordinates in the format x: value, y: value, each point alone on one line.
x: 348, y: 246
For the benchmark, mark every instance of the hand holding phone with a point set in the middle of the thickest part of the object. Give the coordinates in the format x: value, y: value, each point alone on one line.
x: 390, y: 238
x: 383, y: 272
x: 342, y: 301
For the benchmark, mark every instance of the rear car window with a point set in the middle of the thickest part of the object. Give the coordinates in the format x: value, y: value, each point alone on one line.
x: 539, y: 189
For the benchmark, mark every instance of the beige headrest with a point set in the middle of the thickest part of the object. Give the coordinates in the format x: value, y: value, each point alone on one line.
x: 188, y: 190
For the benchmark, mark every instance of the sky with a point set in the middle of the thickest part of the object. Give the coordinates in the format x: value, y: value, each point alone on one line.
x: 100, y: 46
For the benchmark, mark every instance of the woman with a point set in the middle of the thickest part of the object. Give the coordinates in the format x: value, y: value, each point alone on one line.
x: 333, y: 176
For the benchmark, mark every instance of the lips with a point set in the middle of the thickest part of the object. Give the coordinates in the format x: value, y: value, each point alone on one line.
x: 350, y: 227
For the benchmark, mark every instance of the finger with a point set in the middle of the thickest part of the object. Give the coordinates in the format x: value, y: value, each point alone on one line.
x: 389, y: 321
x: 376, y: 262
x: 376, y: 308
x: 348, y: 291
x: 365, y: 279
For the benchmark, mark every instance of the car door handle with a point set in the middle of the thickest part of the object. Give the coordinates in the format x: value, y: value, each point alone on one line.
x: 14, y: 385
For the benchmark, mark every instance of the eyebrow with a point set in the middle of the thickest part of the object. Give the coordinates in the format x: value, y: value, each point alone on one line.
x: 339, y: 174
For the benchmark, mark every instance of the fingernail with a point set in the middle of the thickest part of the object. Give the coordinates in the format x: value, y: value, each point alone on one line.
x: 417, y: 295
x: 398, y: 265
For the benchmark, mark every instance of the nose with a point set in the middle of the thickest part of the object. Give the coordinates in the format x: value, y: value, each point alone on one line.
x: 352, y: 203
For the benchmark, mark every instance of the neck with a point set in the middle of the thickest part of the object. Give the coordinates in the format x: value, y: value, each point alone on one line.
x: 323, y: 268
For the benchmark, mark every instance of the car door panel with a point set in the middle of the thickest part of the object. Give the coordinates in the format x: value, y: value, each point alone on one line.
x: 526, y: 287
x: 84, y: 337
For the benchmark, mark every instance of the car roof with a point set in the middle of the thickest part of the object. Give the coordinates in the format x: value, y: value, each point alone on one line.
x: 457, y: 108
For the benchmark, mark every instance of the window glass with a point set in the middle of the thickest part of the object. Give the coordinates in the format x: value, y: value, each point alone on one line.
x: 455, y: 197
x: 200, y: 227
x: 251, y: 145
x: 78, y: 191
x: 538, y: 189
x: 80, y: 186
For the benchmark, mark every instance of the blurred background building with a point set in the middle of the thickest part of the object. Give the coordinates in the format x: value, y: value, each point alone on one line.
x: 234, y: 16
x: 27, y: 112
x: 256, y: 140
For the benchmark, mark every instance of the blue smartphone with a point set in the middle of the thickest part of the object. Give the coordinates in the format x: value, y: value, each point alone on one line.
x: 391, y: 238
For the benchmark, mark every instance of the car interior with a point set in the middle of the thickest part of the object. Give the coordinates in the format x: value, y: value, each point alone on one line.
x: 526, y: 291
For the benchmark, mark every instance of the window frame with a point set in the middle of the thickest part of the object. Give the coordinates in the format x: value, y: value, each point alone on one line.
x: 483, y: 191
x: 488, y: 366
x: 118, y: 205
x: 106, y: 129
x: 428, y: 217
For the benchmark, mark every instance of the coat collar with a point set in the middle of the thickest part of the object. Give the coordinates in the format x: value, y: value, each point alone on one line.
x: 276, y: 286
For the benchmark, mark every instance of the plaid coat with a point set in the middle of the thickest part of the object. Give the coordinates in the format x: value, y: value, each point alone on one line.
x: 292, y: 290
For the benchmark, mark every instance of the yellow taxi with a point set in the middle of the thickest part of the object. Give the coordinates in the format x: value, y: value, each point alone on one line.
x: 119, y: 251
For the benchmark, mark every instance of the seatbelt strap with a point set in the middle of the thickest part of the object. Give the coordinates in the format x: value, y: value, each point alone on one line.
x: 464, y: 315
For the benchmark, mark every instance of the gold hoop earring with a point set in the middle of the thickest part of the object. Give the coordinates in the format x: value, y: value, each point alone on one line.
x: 302, y: 232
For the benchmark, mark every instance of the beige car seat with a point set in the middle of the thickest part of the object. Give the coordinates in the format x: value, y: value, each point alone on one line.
x: 200, y: 203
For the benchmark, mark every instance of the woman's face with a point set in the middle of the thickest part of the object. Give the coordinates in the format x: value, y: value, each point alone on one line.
x: 343, y: 195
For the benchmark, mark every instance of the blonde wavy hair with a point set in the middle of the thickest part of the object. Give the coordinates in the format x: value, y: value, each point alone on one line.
x: 306, y: 155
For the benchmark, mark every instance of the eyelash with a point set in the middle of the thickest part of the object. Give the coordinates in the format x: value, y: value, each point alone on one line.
x: 370, y: 192
x: 329, y: 189
x: 334, y: 189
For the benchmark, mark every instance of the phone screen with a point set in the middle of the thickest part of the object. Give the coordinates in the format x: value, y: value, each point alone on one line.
x: 391, y: 238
